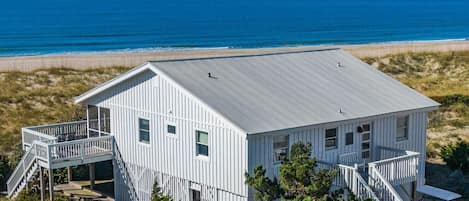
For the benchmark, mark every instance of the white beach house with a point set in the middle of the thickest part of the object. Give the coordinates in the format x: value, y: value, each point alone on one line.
x: 197, y: 125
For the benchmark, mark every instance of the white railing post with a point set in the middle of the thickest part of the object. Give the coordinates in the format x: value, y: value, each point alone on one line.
x: 49, y: 154
x: 354, y: 179
x: 82, y: 151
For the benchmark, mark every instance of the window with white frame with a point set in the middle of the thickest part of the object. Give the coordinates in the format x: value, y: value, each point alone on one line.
x: 99, y: 121
x: 366, y: 141
x: 144, y: 130
x: 201, y: 143
x: 331, y: 138
x: 402, y: 130
x: 280, y: 145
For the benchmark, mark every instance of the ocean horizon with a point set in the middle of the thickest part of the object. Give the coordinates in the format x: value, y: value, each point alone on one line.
x: 84, y: 26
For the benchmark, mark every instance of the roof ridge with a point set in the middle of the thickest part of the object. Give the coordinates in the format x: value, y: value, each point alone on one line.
x: 246, y: 55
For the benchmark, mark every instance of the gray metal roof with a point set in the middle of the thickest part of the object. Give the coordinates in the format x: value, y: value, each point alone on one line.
x: 263, y: 93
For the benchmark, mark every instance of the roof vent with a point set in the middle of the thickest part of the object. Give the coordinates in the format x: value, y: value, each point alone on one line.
x: 340, y: 111
x: 339, y: 64
x: 211, y: 76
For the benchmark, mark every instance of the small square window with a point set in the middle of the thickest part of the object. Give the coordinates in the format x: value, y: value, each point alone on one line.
x: 366, y: 127
x: 349, y: 138
x: 366, y: 136
x: 171, y: 129
x: 366, y: 145
x: 331, y: 138
x: 366, y: 154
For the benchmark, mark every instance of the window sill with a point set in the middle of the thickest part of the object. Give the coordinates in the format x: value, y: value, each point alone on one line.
x: 203, y: 158
x: 277, y: 163
x: 402, y: 140
x: 144, y: 144
x: 331, y: 149
x: 170, y: 135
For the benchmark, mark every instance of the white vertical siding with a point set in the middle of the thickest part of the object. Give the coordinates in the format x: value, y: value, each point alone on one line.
x: 383, y: 133
x: 261, y: 148
x: 155, y: 98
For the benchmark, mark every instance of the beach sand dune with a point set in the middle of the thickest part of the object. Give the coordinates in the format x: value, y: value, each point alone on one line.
x: 129, y: 59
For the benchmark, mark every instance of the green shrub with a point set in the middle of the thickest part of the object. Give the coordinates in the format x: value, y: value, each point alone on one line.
x: 299, y: 181
x: 4, y: 172
x: 456, y: 156
x: 452, y: 99
x: 157, y: 194
x: 298, y: 176
x: 266, y: 189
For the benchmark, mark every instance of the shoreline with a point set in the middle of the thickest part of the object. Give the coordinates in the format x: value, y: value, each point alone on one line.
x: 134, y: 58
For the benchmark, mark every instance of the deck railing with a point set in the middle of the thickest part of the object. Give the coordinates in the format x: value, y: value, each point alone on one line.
x: 60, y: 132
x: 80, y: 148
x: 384, y: 153
x: 398, y: 170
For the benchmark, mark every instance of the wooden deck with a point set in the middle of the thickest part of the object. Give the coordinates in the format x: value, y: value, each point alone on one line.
x: 57, y: 146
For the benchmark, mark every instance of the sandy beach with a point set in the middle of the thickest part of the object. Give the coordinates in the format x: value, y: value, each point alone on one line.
x: 128, y: 59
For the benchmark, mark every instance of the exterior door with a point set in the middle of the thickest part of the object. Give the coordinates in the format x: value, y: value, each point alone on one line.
x: 366, y: 136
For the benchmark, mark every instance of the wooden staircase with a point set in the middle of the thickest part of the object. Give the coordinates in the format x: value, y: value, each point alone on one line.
x: 381, y: 179
x: 24, y: 172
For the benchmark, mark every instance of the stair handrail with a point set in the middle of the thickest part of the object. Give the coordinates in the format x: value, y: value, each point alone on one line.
x: 376, y: 176
x: 357, y: 182
x: 21, y: 168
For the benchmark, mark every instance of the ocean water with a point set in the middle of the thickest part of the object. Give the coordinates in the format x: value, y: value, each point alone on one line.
x: 32, y: 27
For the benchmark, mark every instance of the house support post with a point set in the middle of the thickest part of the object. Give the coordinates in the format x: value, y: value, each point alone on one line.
x: 51, y: 184
x: 92, y: 175
x: 41, y: 183
x: 69, y: 174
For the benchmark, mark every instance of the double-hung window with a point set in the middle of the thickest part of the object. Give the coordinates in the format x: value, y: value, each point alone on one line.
x: 402, y: 130
x: 201, y: 143
x: 331, y: 138
x: 280, y: 144
x: 144, y: 130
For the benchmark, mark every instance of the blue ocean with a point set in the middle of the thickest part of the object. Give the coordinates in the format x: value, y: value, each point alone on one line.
x: 35, y: 27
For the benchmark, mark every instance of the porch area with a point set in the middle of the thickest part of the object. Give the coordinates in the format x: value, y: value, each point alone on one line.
x: 54, y: 146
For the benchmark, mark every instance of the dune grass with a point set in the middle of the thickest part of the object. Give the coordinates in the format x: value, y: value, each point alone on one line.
x: 43, y: 96
x: 443, y: 77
